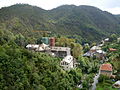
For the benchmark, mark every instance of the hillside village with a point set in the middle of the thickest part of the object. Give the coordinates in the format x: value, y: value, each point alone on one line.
x: 66, y: 48
x: 62, y: 61
x: 48, y: 47
x: 69, y: 62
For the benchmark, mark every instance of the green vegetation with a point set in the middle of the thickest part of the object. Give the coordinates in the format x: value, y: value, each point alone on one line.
x: 88, y: 65
x: 84, y: 23
x: 105, y: 83
x: 72, y: 26
x: 23, y: 69
x: 114, y: 56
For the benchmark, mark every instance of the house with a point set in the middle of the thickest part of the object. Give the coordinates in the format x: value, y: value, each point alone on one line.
x: 112, y: 49
x: 52, y: 50
x: 117, y: 84
x: 106, y: 40
x: 67, y: 63
x: 89, y: 54
x: 94, y: 48
x: 36, y: 47
x: 32, y: 46
x: 61, y: 51
x: 106, y: 69
x: 100, y: 54
x: 43, y: 47
x: 118, y: 40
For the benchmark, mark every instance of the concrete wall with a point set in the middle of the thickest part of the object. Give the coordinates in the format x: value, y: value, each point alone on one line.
x: 107, y: 73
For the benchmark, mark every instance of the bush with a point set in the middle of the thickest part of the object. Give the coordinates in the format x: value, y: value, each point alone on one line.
x: 103, y: 78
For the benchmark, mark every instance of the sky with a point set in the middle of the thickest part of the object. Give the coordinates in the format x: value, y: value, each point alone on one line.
x: 112, y: 6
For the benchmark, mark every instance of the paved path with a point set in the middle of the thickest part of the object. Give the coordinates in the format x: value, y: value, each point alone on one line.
x: 95, y: 82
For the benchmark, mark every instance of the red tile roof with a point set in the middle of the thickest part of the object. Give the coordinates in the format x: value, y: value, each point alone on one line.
x: 106, y: 67
x: 112, y: 49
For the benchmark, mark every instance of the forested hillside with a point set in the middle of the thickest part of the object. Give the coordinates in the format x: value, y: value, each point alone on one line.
x: 21, y: 69
x: 80, y: 22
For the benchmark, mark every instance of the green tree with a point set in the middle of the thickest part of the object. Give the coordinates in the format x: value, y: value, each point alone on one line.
x: 77, y: 50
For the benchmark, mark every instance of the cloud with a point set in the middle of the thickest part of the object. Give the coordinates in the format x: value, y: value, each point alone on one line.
x: 111, y: 3
x: 115, y: 10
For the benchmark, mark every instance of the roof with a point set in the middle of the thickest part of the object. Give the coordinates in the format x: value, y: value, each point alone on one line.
x: 100, y: 51
x: 45, y: 45
x: 95, y: 48
x: 88, y: 54
x: 106, y: 67
x: 118, y: 82
x: 42, y: 47
x: 60, y: 48
x: 32, y: 46
x: 118, y: 38
x: 112, y: 49
x: 107, y: 39
x: 68, y: 58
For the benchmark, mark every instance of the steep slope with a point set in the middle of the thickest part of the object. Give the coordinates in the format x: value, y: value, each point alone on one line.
x: 118, y: 17
x: 86, y: 19
x: 87, y: 22
x: 22, y: 18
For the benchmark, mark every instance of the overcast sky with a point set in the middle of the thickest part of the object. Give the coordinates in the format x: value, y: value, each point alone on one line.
x: 112, y: 6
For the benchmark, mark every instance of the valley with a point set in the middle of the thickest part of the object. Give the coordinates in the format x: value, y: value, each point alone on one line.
x: 67, y: 48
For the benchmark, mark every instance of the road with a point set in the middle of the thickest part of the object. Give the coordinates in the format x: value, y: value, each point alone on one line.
x: 95, y: 81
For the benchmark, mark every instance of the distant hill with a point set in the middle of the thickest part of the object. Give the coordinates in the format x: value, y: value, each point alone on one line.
x: 86, y: 22
x: 118, y: 17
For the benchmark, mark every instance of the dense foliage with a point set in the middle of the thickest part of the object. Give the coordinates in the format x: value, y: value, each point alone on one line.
x: 105, y: 83
x: 21, y: 69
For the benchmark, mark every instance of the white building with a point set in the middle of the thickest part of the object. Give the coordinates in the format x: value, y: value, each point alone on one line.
x: 107, y: 39
x: 61, y: 51
x: 101, y: 54
x: 43, y: 47
x: 97, y: 52
x: 67, y: 63
x: 36, y: 47
x: 117, y: 84
x: 94, y: 48
x: 118, y: 39
x: 32, y: 46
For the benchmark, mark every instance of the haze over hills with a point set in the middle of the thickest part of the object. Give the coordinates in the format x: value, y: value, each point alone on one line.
x: 86, y: 22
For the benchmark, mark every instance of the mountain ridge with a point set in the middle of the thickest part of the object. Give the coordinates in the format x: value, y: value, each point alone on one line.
x: 87, y: 22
